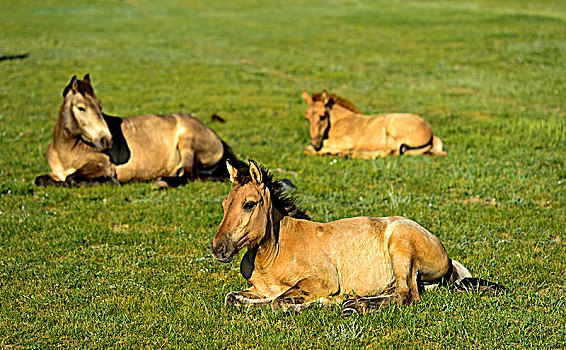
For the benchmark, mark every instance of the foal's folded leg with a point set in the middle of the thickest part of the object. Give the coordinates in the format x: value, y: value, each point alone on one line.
x: 304, y: 295
x: 246, y: 298
x: 363, y: 305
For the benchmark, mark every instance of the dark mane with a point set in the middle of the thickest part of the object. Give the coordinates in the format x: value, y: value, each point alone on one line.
x: 286, y: 204
x: 338, y: 100
x: 83, y: 86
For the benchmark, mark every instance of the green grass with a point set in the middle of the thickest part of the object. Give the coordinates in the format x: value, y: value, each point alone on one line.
x: 130, y: 267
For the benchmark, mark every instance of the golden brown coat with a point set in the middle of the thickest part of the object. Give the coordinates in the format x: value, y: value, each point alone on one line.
x: 337, y: 127
x: 294, y: 263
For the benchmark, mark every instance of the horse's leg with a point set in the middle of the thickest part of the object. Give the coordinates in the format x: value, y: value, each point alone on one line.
x: 189, y: 160
x: 92, y: 174
x: 188, y: 170
x: 302, y: 296
x: 362, y: 305
x: 370, y: 154
x: 48, y: 180
x: 246, y: 298
x: 402, y: 254
x: 478, y: 285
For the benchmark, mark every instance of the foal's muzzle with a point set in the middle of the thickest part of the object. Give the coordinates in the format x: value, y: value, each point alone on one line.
x: 222, y: 252
x: 317, y: 143
x: 104, y: 143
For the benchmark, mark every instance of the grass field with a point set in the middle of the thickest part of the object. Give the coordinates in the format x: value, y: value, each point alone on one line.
x: 130, y: 267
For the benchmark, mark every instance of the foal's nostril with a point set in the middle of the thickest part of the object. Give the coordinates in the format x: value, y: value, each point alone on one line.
x: 105, y: 142
x: 219, y: 249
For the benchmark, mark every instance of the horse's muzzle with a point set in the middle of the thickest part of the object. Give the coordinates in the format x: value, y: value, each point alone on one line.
x: 222, y: 252
x: 317, y: 143
x: 104, y: 143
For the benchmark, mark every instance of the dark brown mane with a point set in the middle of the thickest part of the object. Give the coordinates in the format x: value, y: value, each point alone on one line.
x: 338, y: 100
x: 286, y: 204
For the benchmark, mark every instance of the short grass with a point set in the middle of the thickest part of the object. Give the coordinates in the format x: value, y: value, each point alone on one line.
x: 113, y: 267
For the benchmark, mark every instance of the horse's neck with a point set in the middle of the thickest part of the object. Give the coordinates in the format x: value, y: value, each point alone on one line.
x: 338, y: 112
x: 64, y: 141
x: 268, y: 250
x: 62, y: 138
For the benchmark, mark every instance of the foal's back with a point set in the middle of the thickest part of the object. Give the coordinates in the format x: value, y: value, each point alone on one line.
x: 161, y: 144
x: 358, y: 251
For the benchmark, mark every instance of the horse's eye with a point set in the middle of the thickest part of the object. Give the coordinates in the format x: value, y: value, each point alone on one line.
x: 81, y: 108
x: 249, y: 205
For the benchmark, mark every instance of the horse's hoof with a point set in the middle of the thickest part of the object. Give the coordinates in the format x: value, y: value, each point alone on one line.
x: 232, y: 299
x: 348, y: 312
x: 160, y: 185
x: 310, y: 150
x: 350, y: 303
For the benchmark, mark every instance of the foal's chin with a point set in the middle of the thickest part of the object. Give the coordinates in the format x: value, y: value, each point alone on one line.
x: 223, y: 257
x: 225, y: 260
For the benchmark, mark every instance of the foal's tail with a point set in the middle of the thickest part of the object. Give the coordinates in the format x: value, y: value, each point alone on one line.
x: 460, y: 279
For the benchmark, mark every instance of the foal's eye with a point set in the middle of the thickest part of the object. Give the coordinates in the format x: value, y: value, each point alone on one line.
x: 249, y: 205
x: 81, y: 108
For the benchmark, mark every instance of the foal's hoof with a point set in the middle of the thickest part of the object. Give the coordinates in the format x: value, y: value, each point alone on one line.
x: 348, y: 312
x: 310, y: 150
x: 160, y: 185
x: 348, y: 304
x: 233, y: 299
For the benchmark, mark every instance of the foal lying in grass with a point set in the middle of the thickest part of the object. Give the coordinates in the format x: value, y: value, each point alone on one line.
x: 91, y: 147
x: 294, y: 263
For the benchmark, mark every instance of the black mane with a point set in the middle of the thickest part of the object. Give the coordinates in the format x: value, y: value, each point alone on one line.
x: 286, y: 204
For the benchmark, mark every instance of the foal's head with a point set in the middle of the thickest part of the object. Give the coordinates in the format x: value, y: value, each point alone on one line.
x: 319, y: 120
x: 249, y: 210
x: 82, y: 114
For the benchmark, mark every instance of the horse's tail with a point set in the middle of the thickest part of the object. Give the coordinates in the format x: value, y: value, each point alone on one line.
x: 459, y: 278
x: 437, y: 147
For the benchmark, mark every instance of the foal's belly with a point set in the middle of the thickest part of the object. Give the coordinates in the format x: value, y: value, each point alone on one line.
x: 360, y: 255
x: 367, y: 275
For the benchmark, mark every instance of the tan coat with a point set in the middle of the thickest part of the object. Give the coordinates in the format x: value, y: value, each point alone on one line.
x: 90, y: 147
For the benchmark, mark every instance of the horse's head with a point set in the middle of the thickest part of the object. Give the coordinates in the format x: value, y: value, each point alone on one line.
x: 82, y: 114
x: 318, y: 117
x: 247, y: 211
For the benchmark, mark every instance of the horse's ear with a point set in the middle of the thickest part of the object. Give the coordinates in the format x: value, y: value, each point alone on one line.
x: 306, y: 96
x: 233, y: 173
x: 72, y: 85
x: 87, y: 78
x: 327, y: 99
x: 255, y: 173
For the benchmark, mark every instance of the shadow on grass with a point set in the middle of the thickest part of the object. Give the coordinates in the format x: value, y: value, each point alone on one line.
x: 14, y: 57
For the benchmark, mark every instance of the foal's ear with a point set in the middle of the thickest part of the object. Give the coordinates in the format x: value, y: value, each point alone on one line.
x: 327, y: 99
x: 233, y: 173
x: 255, y: 173
x: 87, y: 78
x: 72, y: 86
x: 306, y: 96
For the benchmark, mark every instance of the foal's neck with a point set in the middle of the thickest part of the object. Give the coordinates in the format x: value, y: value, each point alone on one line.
x: 268, y: 250
x: 63, y: 140
x: 338, y: 112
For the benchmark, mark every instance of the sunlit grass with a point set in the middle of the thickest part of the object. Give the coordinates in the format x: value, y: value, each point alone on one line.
x: 130, y: 267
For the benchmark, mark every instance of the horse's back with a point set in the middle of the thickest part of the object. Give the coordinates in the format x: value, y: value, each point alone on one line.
x: 158, y: 144
x: 409, y: 128
x: 362, y: 253
x: 357, y: 248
